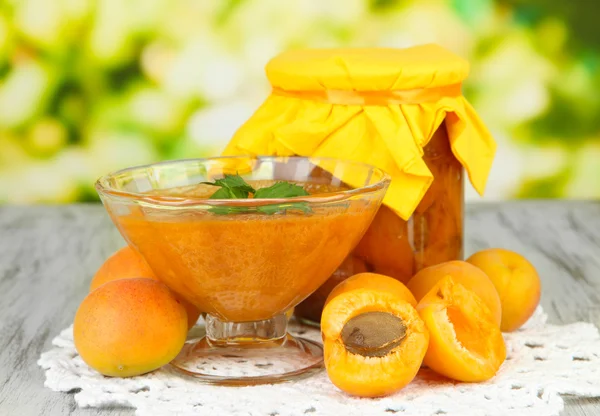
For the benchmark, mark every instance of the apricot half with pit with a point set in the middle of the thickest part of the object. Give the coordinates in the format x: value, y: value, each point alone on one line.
x: 374, y: 341
x: 461, y: 272
x: 465, y: 341
x: 127, y: 263
x: 516, y: 281
x: 129, y: 327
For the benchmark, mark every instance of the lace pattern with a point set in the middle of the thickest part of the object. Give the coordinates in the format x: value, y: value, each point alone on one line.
x: 544, y: 361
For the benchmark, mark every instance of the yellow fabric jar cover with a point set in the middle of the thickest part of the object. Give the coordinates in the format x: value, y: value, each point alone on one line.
x: 380, y: 106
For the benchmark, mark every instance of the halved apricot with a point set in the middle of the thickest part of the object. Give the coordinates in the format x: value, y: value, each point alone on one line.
x: 464, y: 273
x: 374, y: 342
x: 374, y: 281
x: 465, y: 341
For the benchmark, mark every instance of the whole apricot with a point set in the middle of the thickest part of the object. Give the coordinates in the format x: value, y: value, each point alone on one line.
x: 127, y: 263
x: 461, y: 272
x: 516, y: 281
x: 129, y: 327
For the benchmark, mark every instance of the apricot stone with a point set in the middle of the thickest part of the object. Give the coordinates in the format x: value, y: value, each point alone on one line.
x: 129, y: 327
x: 516, y: 281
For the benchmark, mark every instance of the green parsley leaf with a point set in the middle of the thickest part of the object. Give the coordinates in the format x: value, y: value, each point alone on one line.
x: 235, y: 187
x: 232, y: 187
x: 282, y: 190
x: 228, y: 210
x: 224, y: 193
x: 273, y: 209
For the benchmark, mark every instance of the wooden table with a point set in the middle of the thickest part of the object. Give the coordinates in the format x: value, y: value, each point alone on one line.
x: 49, y: 254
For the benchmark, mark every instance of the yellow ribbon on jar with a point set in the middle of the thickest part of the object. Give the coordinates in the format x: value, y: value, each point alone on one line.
x: 396, y: 97
x: 379, y: 106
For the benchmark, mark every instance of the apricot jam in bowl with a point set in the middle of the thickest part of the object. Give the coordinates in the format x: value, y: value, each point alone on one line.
x: 245, y: 239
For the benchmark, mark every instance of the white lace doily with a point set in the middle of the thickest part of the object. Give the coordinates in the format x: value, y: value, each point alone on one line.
x: 544, y: 361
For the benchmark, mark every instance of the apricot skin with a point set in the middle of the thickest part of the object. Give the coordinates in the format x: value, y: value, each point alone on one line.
x: 127, y: 263
x: 461, y: 272
x: 374, y: 281
x: 516, y: 281
x: 129, y: 327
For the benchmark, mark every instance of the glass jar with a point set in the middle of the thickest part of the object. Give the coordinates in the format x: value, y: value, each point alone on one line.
x: 398, y: 248
x: 401, y: 110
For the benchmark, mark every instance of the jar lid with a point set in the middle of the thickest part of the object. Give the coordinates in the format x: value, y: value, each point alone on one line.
x: 377, y: 106
x: 366, y: 69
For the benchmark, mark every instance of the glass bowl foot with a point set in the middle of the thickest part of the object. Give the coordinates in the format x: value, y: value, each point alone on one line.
x: 248, y: 353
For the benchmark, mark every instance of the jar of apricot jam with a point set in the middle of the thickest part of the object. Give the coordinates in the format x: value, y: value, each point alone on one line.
x: 401, y: 110
x: 398, y: 248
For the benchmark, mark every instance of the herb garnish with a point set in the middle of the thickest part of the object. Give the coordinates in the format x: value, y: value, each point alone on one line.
x: 235, y: 187
x: 232, y: 187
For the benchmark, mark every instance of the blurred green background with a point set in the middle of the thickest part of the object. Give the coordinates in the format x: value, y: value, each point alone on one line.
x: 89, y: 86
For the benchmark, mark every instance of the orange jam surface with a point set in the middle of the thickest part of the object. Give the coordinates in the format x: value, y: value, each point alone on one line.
x: 249, y: 266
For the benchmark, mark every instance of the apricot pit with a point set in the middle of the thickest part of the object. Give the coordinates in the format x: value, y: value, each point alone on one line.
x: 373, y: 334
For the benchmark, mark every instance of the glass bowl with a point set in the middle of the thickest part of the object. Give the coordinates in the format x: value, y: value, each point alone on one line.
x: 244, y: 262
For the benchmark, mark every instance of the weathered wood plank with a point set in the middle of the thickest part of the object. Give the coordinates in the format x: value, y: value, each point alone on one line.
x: 48, y: 256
